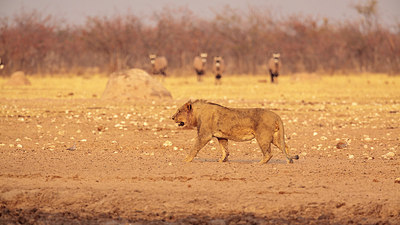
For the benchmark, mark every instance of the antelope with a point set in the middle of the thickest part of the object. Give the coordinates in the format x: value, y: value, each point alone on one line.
x: 218, y: 69
x: 159, y: 64
x: 274, y: 66
x: 199, y: 65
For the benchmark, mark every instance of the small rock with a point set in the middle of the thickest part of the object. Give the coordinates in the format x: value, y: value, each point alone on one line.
x: 388, y: 155
x: 341, y: 145
x: 72, y: 148
x: 351, y: 156
x: 167, y: 143
x: 397, y: 180
x: 100, y: 128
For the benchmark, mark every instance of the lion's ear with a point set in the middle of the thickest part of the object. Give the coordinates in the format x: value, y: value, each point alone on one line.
x: 189, y: 106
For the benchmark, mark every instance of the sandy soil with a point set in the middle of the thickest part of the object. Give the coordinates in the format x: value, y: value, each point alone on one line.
x: 127, y: 165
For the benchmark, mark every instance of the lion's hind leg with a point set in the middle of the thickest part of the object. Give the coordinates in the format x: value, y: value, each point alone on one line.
x: 277, y: 142
x: 265, y: 145
x: 223, y: 145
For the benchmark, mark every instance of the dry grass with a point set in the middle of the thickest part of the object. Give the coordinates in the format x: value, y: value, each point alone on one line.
x: 129, y: 155
x: 296, y: 88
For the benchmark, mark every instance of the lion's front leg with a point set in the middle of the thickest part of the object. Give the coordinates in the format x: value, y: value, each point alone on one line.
x: 201, y: 141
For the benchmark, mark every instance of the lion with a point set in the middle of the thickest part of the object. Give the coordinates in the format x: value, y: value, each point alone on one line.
x: 237, y: 124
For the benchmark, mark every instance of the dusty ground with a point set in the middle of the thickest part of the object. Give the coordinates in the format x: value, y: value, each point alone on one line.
x: 128, y: 163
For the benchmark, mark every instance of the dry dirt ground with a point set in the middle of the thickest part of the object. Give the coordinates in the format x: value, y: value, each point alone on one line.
x: 127, y: 165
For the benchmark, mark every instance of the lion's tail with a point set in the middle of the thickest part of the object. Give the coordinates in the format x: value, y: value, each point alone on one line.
x: 285, y: 149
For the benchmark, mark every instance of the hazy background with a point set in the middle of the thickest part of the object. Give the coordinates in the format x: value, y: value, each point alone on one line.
x: 313, y: 36
x: 76, y: 11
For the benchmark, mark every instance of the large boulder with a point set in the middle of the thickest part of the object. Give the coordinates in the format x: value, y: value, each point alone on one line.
x: 18, y: 79
x: 134, y: 84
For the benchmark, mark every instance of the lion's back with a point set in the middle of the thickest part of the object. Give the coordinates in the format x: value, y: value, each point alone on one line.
x: 225, y: 118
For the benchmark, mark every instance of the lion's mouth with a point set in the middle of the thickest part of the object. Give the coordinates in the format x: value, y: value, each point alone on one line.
x: 181, y: 124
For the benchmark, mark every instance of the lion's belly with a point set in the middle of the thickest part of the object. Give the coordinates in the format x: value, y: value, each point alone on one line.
x: 235, y: 134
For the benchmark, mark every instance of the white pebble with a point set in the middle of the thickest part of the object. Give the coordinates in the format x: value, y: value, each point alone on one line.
x: 167, y: 143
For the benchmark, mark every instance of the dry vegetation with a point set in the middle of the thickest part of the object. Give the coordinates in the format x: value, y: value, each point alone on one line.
x: 128, y: 162
x: 37, y: 43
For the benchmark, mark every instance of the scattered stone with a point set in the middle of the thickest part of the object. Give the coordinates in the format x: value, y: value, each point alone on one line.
x: 388, y: 155
x: 397, y: 180
x: 72, y: 148
x: 341, y: 145
x: 351, y: 156
x: 100, y: 128
x: 167, y: 143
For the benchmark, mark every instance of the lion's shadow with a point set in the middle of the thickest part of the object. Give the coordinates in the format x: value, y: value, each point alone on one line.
x: 242, y: 161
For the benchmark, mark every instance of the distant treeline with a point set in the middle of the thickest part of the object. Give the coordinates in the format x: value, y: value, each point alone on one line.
x: 37, y: 43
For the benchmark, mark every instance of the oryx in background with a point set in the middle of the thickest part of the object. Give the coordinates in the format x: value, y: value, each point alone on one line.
x: 199, y: 65
x: 218, y: 69
x: 274, y: 66
x: 158, y: 64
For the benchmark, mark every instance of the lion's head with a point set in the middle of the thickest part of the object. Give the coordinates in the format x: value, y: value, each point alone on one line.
x: 184, y: 115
